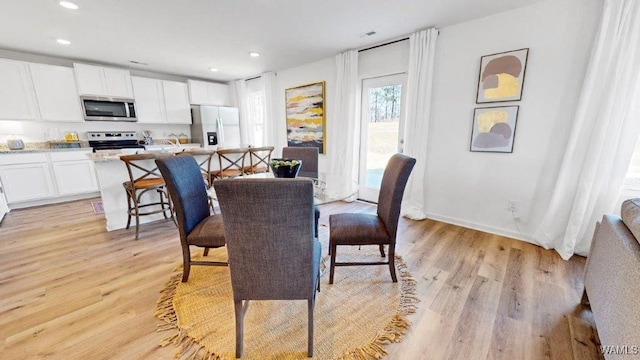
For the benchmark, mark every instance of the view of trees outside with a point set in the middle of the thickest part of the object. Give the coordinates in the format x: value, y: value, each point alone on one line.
x: 384, y: 103
x: 384, y: 118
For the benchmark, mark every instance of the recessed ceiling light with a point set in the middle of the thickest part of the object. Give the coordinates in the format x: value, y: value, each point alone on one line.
x: 213, y: 69
x: 63, y: 41
x: 254, y: 54
x: 68, y: 5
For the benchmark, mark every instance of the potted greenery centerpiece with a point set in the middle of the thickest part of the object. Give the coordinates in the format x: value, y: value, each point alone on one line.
x: 285, y: 168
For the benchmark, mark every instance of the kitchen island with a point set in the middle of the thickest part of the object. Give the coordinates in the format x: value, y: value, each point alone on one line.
x: 112, y: 172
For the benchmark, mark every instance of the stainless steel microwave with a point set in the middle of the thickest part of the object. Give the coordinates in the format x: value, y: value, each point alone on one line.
x: 99, y: 108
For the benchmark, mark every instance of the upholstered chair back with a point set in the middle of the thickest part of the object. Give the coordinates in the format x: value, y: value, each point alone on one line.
x: 309, y: 157
x: 394, y: 180
x: 269, y: 228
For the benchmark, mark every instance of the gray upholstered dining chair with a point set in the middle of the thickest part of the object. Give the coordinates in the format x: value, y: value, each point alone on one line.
x: 380, y: 229
x: 309, y: 167
x: 309, y: 157
x: 273, y: 254
x: 197, y: 227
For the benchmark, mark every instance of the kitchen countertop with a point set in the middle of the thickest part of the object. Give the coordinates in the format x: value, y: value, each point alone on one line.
x: 37, y: 150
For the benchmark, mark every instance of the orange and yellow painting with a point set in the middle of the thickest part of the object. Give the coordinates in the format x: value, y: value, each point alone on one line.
x: 502, y: 76
x: 494, y: 129
x: 306, y: 116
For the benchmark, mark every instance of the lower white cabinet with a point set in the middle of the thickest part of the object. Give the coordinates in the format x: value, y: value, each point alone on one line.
x: 27, y: 177
x: 74, y: 173
x: 38, y: 178
x: 4, y: 208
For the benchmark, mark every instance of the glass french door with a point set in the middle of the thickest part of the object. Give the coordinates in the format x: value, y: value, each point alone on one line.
x: 381, y: 133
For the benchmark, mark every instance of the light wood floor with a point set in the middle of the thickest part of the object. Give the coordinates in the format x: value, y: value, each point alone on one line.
x: 70, y: 290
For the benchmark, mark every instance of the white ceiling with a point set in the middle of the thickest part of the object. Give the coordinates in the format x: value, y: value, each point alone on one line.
x: 187, y: 37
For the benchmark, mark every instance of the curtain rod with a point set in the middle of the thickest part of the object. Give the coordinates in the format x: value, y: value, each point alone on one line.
x: 385, y: 44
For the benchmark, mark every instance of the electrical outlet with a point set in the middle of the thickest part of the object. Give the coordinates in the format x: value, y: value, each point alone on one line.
x: 512, y: 205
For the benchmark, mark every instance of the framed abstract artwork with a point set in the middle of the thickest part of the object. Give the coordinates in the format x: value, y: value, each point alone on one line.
x: 306, y: 124
x: 494, y: 129
x: 502, y: 76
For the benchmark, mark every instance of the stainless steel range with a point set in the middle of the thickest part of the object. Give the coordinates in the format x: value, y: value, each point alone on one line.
x: 113, y: 140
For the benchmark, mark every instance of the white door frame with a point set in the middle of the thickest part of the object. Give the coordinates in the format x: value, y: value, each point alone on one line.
x: 368, y: 193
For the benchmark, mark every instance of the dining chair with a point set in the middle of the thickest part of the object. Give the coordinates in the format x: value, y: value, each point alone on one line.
x: 259, y: 159
x: 196, y: 226
x: 204, y: 158
x: 231, y: 163
x: 309, y: 157
x: 144, y: 178
x: 309, y: 168
x: 273, y: 254
x: 379, y: 229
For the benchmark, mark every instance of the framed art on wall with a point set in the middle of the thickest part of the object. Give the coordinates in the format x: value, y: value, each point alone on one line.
x: 494, y: 129
x: 306, y: 116
x: 502, y: 76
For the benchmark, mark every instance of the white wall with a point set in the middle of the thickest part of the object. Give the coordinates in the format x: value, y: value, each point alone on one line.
x: 472, y: 188
x: 324, y: 70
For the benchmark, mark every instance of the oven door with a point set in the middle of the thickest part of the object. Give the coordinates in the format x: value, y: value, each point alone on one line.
x: 108, y: 109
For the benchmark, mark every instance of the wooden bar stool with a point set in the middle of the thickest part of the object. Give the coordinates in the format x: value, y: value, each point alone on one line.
x: 232, y: 163
x: 259, y: 159
x: 144, y: 177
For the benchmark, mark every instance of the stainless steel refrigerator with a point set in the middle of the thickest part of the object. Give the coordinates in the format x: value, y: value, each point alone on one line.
x: 215, y: 125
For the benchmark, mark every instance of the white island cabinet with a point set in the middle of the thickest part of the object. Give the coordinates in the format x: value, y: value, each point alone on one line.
x: 103, y: 81
x: 4, y: 208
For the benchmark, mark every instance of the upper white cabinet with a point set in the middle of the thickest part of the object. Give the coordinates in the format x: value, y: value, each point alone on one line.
x: 161, y: 101
x: 55, y: 89
x: 103, y: 81
x: 17, y: 97
x: 176, y: 99
x: 207, y: 93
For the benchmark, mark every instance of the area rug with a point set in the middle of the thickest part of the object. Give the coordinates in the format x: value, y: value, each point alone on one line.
x: 354, y: 318
x: 98, y: 208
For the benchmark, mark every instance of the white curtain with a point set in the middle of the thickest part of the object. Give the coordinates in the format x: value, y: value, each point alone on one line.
x: 341, y: 138
x: 274, y: 126
x: 605, y: 130
x: 240, y: 99
x: 422, y: 49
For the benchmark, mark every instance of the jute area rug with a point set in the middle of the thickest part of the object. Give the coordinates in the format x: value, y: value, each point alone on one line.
x: 354, y: 318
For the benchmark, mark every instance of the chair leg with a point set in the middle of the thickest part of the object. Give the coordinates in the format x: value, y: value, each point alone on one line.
x: 129, y: 209
x: 332, y: 266
x: 381, y: 250
x: 392, y: 262
x: 310, y: 306
x: 137, y: 214
x: 206, y: 252
x: 186, y: 263
x: 240, y: 310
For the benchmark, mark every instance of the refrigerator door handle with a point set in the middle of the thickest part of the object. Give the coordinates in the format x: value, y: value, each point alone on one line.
x: 220, y: 131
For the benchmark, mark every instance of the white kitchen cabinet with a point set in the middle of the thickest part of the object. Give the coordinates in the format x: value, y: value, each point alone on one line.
x: 56, y: 91
x: 161, y: 101
x: 17, y: 98
x: 176, y: 99
x: 74, y: 172
x: 26, y: 177
x: 103, y: 81
x: 4, y: 208
x: 149, y: 99
x: 208, y: 93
